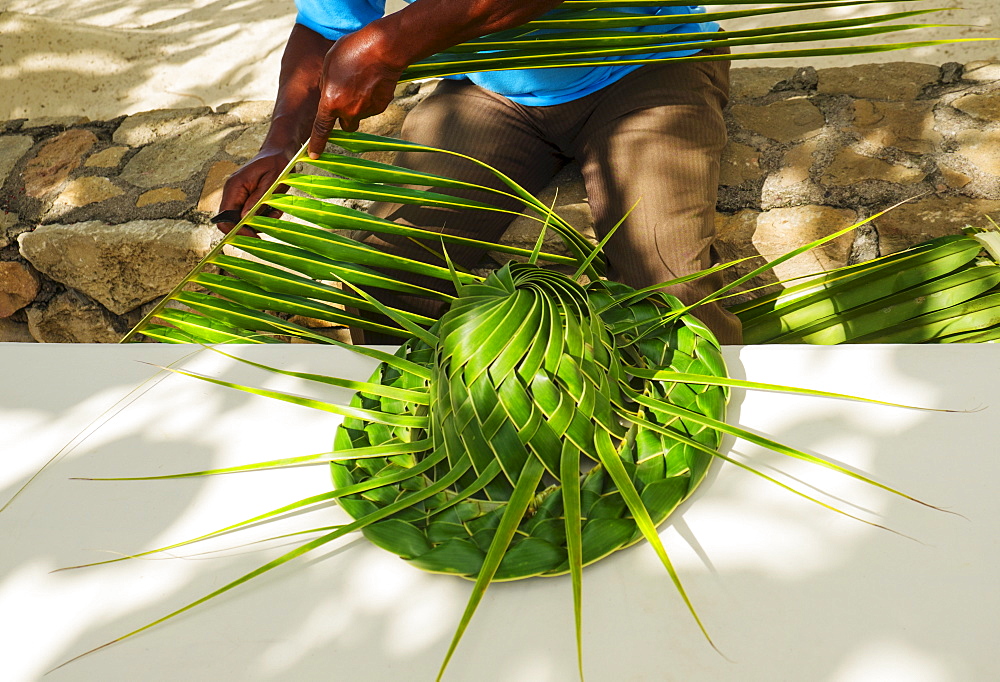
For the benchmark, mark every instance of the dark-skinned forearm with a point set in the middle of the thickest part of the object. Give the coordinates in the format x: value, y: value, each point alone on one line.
x: 426, y: 27
x: 362, y: 68
x: 298, y: 89
x: 291, y: 123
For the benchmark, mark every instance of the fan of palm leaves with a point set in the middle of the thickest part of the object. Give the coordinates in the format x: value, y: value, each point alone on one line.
x: 945, y: 290
x: 585, y: 32
x: 542, y: 422
x: 539, y: 425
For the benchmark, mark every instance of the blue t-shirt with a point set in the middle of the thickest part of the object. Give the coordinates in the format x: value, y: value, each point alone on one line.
x: 334, y: 19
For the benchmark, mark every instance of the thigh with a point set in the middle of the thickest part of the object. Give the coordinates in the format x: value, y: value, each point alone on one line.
x: 461, y: 117
x: 654, y: 143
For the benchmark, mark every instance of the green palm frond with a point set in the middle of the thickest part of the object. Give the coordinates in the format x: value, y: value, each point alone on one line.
x: 585, y: 32
x: 536, y: 427
x: 540, y: 424
x: 946, y: 290
x: 295, y: 269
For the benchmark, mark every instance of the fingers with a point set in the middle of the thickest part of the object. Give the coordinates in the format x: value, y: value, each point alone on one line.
x: 233, y: 204
x: 327, y: 116
x: 326, y: 109
x: 252, y: 199
x: 350, y: 125
x: 243, y: 190
x: 325, y: 119
x: 353, y: 86
x: 268, y: 212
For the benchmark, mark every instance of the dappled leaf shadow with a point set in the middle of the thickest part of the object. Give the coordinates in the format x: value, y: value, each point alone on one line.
x: 791, y: 590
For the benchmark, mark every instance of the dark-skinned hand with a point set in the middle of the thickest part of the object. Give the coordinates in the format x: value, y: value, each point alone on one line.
x: 354, y: 84
x: 246, y: 186
x: 357, y: 82
x: 323, y: 84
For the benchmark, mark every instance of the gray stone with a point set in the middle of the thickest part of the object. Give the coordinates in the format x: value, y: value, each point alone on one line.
x: 386, y: 124
x: 160, y: 196
x: 389, y: 123
x: 805, y: 78
x: 985, y: 106
x: 72, y: 318
x: 792, y: 184
x: 7, y: 221
x: 756, y: 81
x: 780, y: 230
x: 570, y: 197
x: 341, y: 334
x: 175, y: 159
x: 739, y: 164
x: 332, y: 330
x: 796, y: 165
x: 62, y: 121
x: 951, y: 72
x: 785, y: 121
x: 932, y: 217
x: 121, y: 266
x: 954, y: 178
x: 406, y: 89
x: 428, y: 86
x: 252, y: 111
x: 735, y: 242
x: 982, y: 71
x: 890, y: 80
x: 12, y: 148
x: 865, y: 246
x: 149, y: 126
x: 982, y: 148
x: 849, y: 168
x: 106, y: 158
x: 905, y: 125
x: 15, y: 332
x: 215, y: 181
x: 248, y: 143
x: 84, y: 191
x: 734, y: 236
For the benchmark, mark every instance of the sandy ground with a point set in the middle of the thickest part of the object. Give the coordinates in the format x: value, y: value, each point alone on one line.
x: 104, y: 58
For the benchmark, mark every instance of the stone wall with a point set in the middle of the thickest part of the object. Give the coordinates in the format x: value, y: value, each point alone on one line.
x: 99, y: 218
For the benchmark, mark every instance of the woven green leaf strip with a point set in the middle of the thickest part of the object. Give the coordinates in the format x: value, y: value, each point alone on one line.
x: 523, y: 367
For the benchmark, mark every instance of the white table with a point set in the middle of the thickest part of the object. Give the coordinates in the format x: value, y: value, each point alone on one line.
x: 788, y: 590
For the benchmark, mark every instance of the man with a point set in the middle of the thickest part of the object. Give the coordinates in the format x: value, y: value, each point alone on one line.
x: 648, y: 134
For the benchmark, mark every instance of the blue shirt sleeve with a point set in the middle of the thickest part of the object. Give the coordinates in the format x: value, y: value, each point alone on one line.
x: 333, y: 19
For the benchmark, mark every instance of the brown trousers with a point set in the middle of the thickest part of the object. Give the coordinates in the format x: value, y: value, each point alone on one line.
x: 653, y: 138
